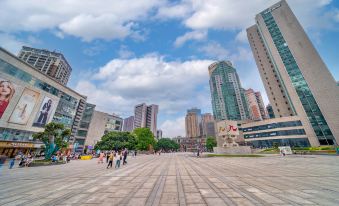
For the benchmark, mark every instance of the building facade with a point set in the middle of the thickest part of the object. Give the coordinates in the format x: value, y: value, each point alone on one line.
x: 52, y: 64
x: 128, y: 125
x: 146, y: 117
x: 30, y: 99
x: 256, y: 106
x: 295, y: 77
x: 270, y: 111
x: 114, y: 123
x: 96, y: 129
x: 159, y: 134
x: 285, y: 131
x: 208, y: 125
x: 193, y: 123
x: 228, y: 98
x: 85, y: 122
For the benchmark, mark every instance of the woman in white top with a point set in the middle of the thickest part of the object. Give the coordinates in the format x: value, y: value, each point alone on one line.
x: 118, y: 158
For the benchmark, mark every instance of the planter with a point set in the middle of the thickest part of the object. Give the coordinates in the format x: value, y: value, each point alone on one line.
x: 45, y: 163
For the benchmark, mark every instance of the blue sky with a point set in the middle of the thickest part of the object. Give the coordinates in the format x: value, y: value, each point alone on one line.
x: 155, y: 51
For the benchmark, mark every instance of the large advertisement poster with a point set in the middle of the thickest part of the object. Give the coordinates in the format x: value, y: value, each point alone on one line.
x: 7, y: 90
x: 25, y: 106
x: 44, y: 114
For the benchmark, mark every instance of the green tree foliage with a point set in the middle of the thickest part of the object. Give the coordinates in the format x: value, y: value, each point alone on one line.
x: 116, y: 141
x: 55, y: 137
x: 167, y: 144
x: 145, y: 139
x: 210, y: 143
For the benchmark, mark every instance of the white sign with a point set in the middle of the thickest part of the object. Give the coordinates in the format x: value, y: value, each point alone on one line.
x: 227, y: 127
x: 286, y: 150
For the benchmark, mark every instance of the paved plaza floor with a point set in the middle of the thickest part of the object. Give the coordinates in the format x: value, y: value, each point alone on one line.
x: 177, y: 179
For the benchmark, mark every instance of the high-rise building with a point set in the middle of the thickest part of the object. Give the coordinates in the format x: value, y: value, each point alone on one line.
x: 50, y: 63
x: 270, y: 111
x: 128, y: 124
x: 261, y: 104
x: 253, y: 105
x: 295, y: 77
x: 152, y: 118
x: 193, y: 123
x: 228, y: 98
x: 146, y: 117
x: 256, y: 106
x: 208, y: 125
x: 159, y: 134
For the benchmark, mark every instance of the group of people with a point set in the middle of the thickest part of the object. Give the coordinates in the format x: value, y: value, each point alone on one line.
x: 118, y: 156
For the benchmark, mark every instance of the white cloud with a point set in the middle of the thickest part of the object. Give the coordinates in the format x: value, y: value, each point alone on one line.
x: 11, y: 43
x: 193, y: 35
x: 242, y: 36
x: 124, y: 53
x: 173, y: 128
x: 173, y: 85
x: 87, y: 19
x: 215, y: 50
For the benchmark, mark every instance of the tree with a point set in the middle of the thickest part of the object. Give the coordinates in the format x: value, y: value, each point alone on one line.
x: 145, y: 139
x: 167, y: 144
x: 116, y: 141
x: 55, y: 137
x: 210, y: 143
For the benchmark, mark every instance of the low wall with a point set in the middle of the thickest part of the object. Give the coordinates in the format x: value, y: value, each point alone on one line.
x: 233, y: 150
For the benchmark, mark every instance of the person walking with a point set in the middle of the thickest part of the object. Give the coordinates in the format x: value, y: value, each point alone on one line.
x: 107, y: 156
x: 118, y: 157
x: 101, y: 158
x: 125, y: 156
x: 11, y: 163
x: 110, y: 160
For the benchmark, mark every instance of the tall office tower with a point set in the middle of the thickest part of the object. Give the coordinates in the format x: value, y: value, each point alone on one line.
x: 192, y: 124
x: 152, y: 117
x: 296, y: 79
x: 228, y: 98
x: 256, y: 105
x: 128, y: 125
x: 146, y: 116
x: 270, y: 111
x: 253, y: 105
x: 262, y: 108
x: 208, y: 125
x: 159, y: 134
x: 53, y: 64
x: 140, y: 115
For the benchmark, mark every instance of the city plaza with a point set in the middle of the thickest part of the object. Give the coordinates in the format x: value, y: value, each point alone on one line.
x: 177, y: 179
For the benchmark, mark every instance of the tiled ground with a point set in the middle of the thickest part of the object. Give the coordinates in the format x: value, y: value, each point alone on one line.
x: 177, y: 179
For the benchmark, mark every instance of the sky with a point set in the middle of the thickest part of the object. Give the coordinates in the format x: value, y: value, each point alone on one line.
x: 126, y: 52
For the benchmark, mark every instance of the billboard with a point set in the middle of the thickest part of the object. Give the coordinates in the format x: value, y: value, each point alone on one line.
x: 227, y: 127
x: 25, y: 106
x: 7, y: 91
x: 44, y: 115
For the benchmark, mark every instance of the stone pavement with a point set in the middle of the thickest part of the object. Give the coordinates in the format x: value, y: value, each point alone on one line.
x: 177, y: 179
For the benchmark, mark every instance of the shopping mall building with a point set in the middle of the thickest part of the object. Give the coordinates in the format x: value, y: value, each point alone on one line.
x: 30, y: 99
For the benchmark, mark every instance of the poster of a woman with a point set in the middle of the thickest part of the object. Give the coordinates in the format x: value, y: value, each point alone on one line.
x: 7, y: 91
x: 44, y: 113
x: 25, y: 106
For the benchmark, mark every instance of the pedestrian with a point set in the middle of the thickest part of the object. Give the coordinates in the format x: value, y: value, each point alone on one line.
x: 101, y: 158
x: 110, y: 158
x: 107, y: 156
x: 118, y: 157
x: 198, y: 153
x: 125, y: 156
x: 11, y: 163
x: 135, y: 153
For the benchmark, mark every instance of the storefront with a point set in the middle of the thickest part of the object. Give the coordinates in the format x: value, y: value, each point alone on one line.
x: 10, y: 149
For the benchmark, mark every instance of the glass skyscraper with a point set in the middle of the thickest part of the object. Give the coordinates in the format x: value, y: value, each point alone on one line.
x: 228, y: 98
x: 296, y: 79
